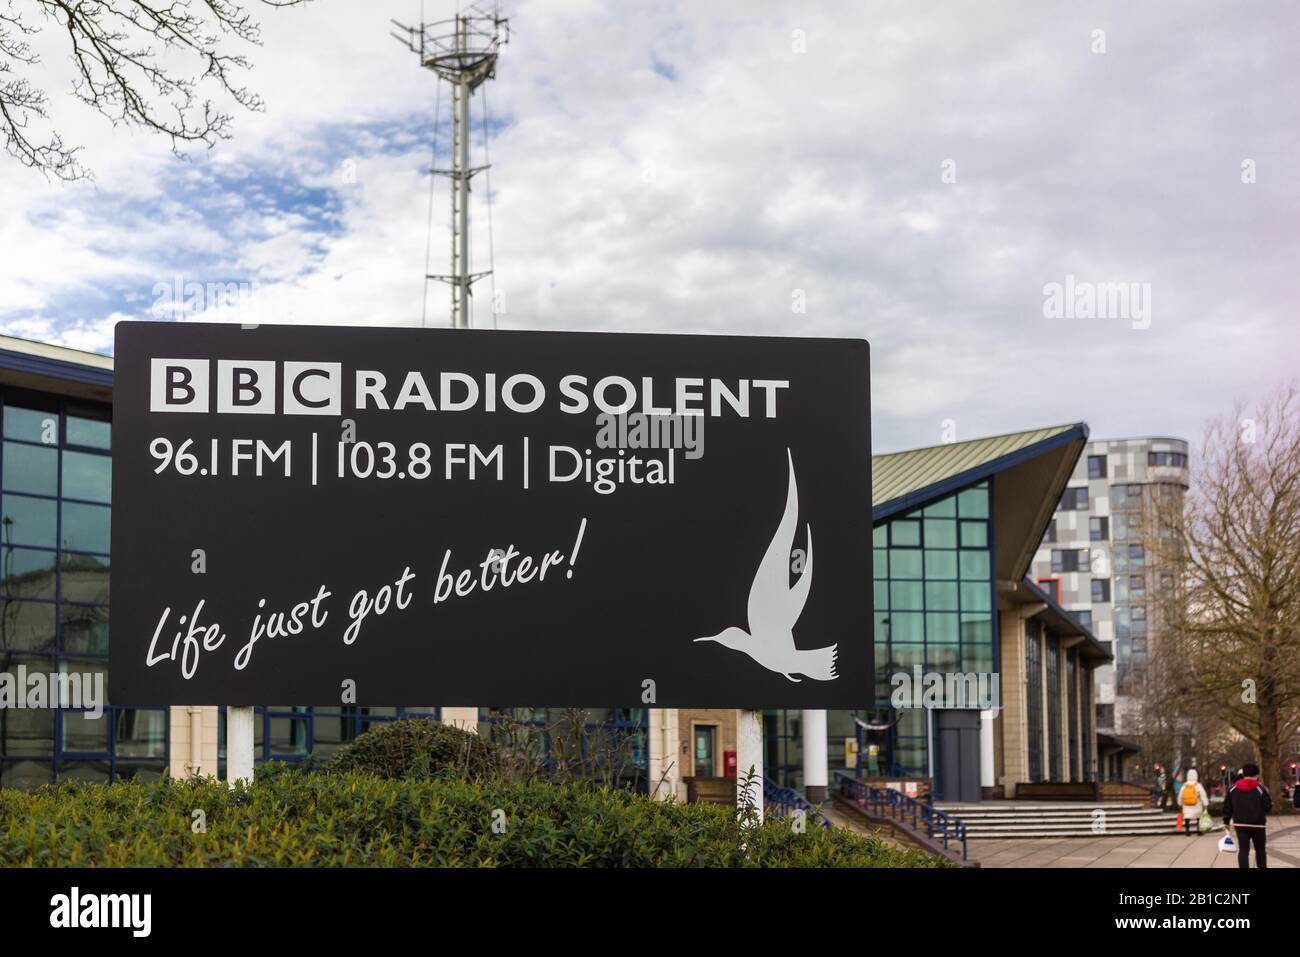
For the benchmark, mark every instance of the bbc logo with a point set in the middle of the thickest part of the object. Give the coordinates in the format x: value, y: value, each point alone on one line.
x: 245, y: 386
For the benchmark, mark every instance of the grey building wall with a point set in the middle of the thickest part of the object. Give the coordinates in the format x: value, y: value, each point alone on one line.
x: 1095, y: 556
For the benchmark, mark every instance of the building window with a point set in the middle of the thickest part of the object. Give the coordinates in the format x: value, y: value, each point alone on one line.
x: 1070, y: 560
x: 612, y: 737
x: 1101, y: 589
x: 1097, y: 467
x: 1075, y: 499
x: 1034, y: 697
x: 1167, y: 459
x: 1086, y: 718
x: 1098, y: 529
x: 1105, y: 716
x: 1052, y: 586
x: 1126, y: 496
x: 55, y: 476
x: 704, y: 749
x: 1123, y: 664
x: 1050, y: 535
x: 1084, y: 617
x: 1125, y: 616
x: 1053, y: 707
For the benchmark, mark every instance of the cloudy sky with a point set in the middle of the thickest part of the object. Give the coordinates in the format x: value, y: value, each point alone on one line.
x: 915, y: 174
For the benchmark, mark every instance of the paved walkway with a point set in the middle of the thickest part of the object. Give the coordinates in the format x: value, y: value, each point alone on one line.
x: 1174, y: 850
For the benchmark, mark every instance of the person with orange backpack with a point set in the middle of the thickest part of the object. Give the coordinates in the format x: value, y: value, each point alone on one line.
x: 1193, y: 802
x: 1175, y: 795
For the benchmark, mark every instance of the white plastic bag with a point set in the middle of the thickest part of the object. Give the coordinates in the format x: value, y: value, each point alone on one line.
x: 1227, y: 845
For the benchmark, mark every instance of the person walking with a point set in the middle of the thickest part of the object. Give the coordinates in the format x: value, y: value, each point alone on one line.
x: 1175, y: 795
x: 1166, y: 787
x: 1245, y: 812
x: 1194, y: 801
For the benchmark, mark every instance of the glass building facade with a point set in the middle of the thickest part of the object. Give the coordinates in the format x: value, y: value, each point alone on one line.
x: 1034, y: 699
x: 55, y: 479
x: 934, y: 608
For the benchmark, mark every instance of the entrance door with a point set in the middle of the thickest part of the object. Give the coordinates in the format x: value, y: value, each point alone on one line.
x: 957, y: 770
x: 705, y: 740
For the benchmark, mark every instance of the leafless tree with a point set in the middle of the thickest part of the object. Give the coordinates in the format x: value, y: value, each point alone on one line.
x: 144, y: 64
x: 563, y: 744
x: 1172, y: 726
x: 1231, y: 639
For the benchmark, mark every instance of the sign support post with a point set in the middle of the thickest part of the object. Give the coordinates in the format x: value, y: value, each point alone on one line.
x: 239, y: 745
x: 749, y: 754
x: 815, y: 777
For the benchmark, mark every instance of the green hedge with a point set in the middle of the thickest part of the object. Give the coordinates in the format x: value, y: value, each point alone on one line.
x: 408, y: 747
x: 313, y: 819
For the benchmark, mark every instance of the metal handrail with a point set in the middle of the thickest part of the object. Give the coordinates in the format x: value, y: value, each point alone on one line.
x: 784, y: 801
x: 918, y: 815
x: 1152, y: 791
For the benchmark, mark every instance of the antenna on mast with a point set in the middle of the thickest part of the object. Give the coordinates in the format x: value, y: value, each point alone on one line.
x: 462, y: 51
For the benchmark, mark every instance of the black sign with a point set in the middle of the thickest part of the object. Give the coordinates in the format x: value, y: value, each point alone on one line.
x: 316, y: 515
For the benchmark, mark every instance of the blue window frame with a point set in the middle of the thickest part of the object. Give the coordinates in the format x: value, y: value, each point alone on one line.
x: 1034, y: 697
x: 612, y: 743
x: 612, y: 739
x: 290, y: 734
x: 1072, y: 707
x: 1053, y: 707
x: 55, y: 475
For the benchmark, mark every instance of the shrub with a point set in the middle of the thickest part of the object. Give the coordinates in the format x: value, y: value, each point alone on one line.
x: 416, y: 748
x: 342, y: 819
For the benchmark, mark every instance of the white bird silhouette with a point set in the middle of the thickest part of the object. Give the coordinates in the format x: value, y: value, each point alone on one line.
x: 775, y: 606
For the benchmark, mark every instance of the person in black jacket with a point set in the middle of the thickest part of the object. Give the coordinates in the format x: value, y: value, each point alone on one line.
x: 1245, y: 809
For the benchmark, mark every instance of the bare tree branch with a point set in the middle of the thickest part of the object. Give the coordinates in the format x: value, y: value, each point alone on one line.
x: 123, y: 52
x: 1230, y: 651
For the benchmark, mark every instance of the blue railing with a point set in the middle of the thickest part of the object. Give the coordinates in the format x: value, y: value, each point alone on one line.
x: 785, y: 801
x: 919, y: 816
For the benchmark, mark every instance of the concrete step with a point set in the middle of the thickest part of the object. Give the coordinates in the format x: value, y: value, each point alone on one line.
x: 1076, y: 832
x: 1002, y: 820
x: 1057, y: 815
x: 1073, y: 822
x: 1111, y: 827
x: 1015, y: 808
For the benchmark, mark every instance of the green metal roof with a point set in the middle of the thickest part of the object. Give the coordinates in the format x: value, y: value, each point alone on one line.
x: 900, y: 474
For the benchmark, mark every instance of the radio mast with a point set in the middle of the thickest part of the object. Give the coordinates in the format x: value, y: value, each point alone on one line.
x: 462, y: 51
